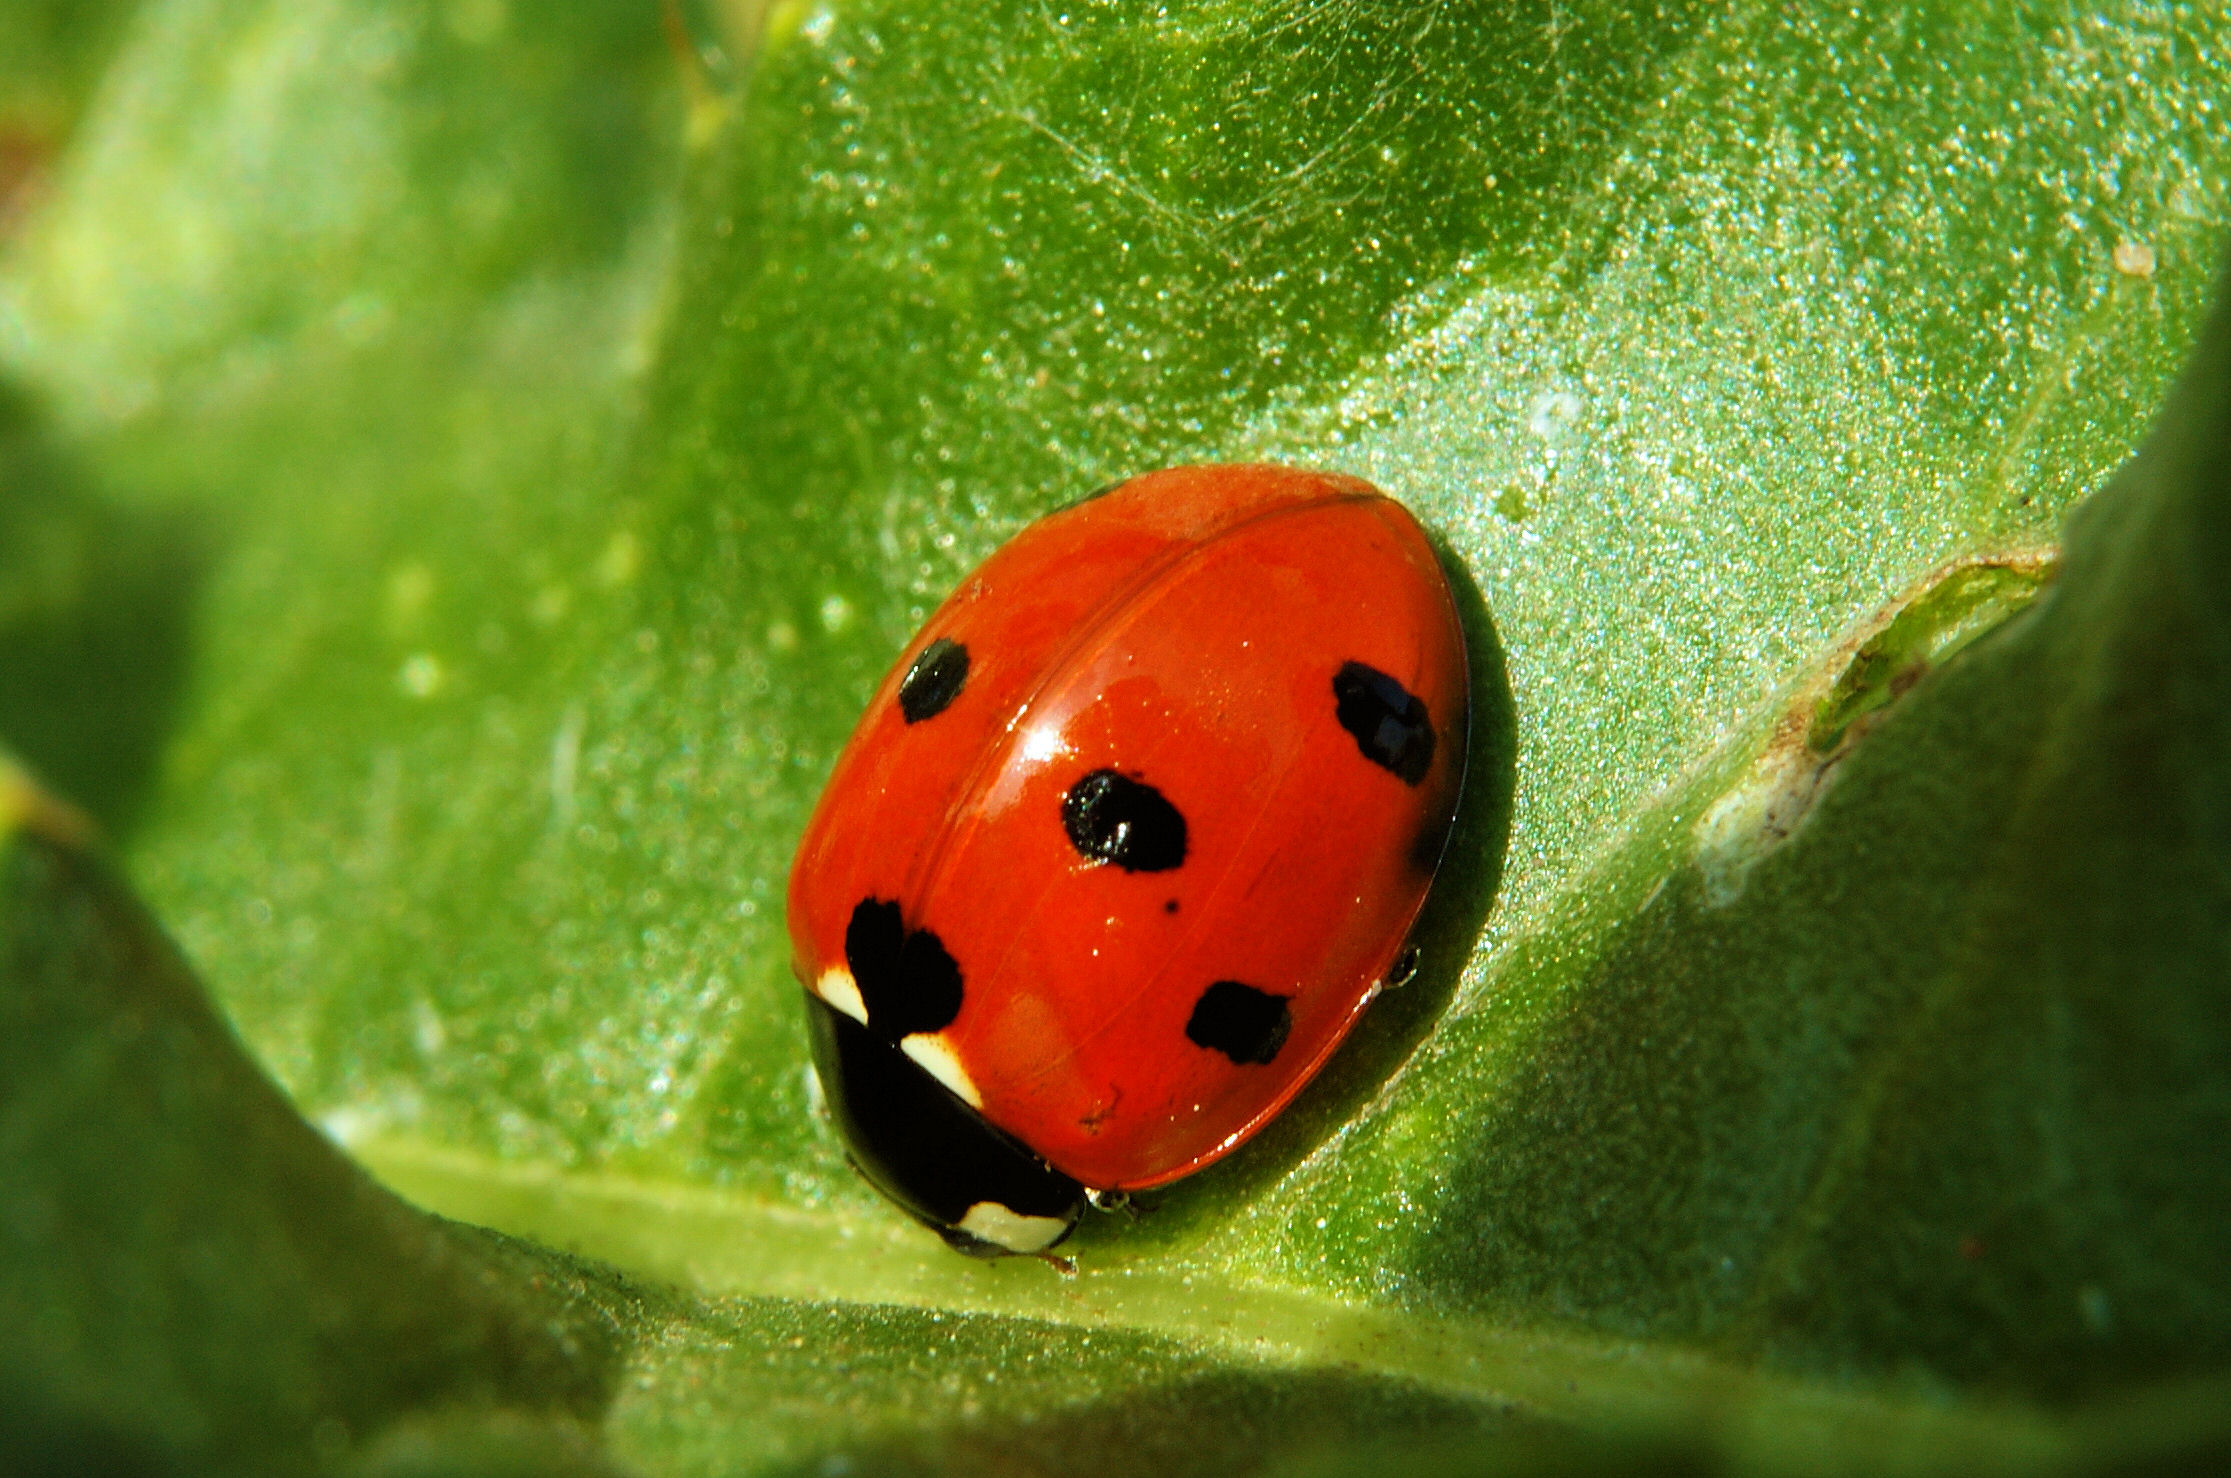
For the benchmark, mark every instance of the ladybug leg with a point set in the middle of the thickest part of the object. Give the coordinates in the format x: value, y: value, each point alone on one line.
x: 1116, y: 1201
x: 1402, y: 971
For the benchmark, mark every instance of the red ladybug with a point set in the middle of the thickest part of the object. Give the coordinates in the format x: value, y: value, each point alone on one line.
x: 1126, y: 842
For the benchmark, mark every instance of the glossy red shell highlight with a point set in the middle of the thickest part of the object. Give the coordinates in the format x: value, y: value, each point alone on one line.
x: 1184, y: 629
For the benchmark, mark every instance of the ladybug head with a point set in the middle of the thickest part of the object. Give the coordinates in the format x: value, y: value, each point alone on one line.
x: 983, y: 1191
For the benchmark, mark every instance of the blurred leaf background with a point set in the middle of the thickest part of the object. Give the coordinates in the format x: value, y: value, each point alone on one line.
x: 462, y: 468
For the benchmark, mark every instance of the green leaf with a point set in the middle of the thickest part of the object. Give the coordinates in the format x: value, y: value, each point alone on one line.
x: 52, y: 55
x: 492, y: 455
x: 190, y: 1272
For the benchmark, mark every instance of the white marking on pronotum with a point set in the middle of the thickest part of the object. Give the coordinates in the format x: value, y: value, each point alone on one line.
x: 839, y: 989
x: 988, y: 1221
x: 935, y: 1056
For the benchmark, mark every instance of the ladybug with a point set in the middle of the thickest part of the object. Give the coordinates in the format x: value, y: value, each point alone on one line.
x: 1126, y: 842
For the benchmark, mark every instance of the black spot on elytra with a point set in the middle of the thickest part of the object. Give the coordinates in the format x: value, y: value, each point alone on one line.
x: 908, y: 981
x: 934, y: 681
x: 1389, y: 721
x: 1170, y: 907
x: 1113, y: 818
x: 1245, y: 1024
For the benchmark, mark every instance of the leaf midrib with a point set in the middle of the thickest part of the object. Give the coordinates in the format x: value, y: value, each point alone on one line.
x: 724, y: 1244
